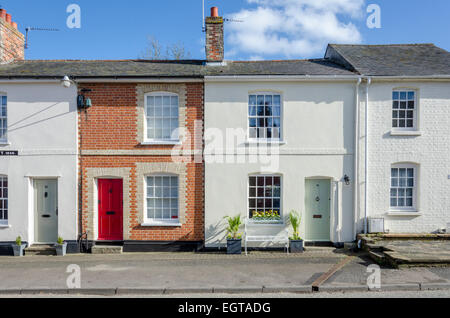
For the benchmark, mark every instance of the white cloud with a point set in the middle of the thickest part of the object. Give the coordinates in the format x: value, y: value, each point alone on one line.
x: 293, y: 28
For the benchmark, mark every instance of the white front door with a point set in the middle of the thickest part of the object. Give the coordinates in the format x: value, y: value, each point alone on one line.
x: 46, y: 211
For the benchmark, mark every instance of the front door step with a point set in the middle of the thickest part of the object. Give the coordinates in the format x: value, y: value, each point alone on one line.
x: 40, y: 249
x: 105, y: 249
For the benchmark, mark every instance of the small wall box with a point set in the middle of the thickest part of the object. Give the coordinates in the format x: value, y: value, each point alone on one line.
x: 376, y: 225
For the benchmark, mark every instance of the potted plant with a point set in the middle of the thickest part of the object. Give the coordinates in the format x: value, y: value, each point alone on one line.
x: 19, y: 247
x: 295, y: 241
x: 266, y: 216
x: 234, y: 239
x: 61, y: 247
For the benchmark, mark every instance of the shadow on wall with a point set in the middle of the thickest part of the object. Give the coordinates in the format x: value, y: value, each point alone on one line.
x: 215, y: 234
x: 12, y: 128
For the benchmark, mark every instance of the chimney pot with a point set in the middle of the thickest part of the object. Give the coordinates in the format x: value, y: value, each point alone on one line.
x: 14, y: 25
x: 214, y: 11
x: 8, y: 18
x: 3, y: 14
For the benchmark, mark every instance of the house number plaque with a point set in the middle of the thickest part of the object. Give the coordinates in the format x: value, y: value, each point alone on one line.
x: 6, y: 153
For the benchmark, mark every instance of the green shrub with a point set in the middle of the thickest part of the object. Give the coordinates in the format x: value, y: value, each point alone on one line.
x: 233, y: 227
x: 295, y: 220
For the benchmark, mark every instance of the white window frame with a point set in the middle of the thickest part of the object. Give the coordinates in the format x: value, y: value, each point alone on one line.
x: 163, y: 141
x: 415, y: 110
x: 262, y: 140
x: 412, y: 208
x: 4, y: 118
x: 160, y: 222
x: 281, y: 197
x: 4, y: 222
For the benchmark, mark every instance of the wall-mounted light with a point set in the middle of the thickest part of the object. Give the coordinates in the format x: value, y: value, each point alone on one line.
x: 347, y: 180
x: 66, y: 82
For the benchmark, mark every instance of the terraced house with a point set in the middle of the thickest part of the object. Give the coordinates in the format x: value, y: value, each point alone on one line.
x: 152, y: 155
x: 361, y: 140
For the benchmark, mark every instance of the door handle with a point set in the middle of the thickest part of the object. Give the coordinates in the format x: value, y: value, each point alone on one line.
x: 56, y: 211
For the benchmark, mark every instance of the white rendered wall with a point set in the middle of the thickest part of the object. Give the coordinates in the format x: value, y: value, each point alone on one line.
x: 42, y: 126
x: 318, y: 141
x: 430, y: 151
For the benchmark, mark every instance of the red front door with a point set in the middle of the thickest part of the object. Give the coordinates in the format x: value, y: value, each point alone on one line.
x: 110, y: 210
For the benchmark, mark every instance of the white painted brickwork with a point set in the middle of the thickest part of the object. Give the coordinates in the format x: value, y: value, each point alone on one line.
x: 430, y: 151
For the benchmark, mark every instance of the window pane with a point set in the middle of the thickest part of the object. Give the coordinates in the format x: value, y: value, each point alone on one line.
x: 268, y: 197
x: 264, y: 116
x: 162, y: 193
x: 162, y: 116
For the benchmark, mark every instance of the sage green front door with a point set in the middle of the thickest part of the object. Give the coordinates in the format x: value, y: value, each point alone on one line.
x: 317, y: 197
x: 46, y: 211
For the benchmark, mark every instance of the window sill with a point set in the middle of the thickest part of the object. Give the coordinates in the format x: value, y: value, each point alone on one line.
x: 271, y: 223
x: 406, y: 133
x: 161, y: 224
x: 4, y: 144
x: 161, y: 143
x: 265, y: 142
x: 404, y: 213
x: 5, y: 226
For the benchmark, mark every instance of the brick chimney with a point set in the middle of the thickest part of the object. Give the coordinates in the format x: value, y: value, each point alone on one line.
x: 12, y: 42
x: 214, y: 37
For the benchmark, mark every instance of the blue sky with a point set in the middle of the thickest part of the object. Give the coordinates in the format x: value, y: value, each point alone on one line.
x: 119, y: 29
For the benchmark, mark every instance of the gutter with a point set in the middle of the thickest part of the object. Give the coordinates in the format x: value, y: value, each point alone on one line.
x: 265, y: 78
x: 356, y: 158
x: 366, y: 157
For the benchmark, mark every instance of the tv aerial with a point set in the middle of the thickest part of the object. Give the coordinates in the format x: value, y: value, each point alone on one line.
x: 203, y: 21
x: 28, y: 29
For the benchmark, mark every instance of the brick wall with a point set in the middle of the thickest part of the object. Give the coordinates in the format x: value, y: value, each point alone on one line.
x: 214, y: 39
x: 110, y: 147
x: 11, y: 43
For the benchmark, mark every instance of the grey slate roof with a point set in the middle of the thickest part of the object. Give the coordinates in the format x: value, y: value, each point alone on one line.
x: 118, y: 68
x: 373, y: 60
x: 146, y: 68
x: 287, y: 67
x: 392, y: 60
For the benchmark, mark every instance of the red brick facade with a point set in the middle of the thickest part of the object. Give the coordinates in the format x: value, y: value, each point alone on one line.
x: 12, y: 42
x: 108, y: 136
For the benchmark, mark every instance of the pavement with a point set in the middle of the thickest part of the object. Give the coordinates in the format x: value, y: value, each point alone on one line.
x: 213, y: 274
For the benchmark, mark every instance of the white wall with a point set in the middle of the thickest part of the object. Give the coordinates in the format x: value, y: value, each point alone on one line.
x: 42, y: 126
x: 430, y: 151
x: 318, y: 133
